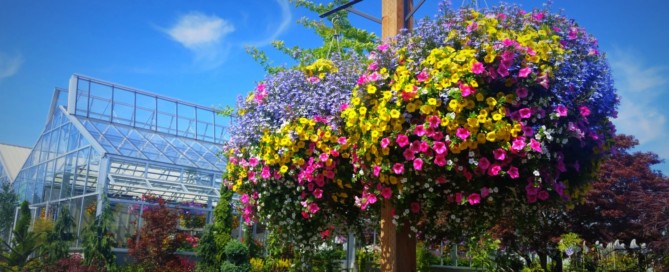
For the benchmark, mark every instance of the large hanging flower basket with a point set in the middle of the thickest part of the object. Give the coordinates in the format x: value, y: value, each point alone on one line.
x: 473, y: 114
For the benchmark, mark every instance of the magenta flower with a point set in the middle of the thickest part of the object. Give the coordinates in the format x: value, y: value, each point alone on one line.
x: 524, y: 72
x: 385, y: 142
x: 441, y: 180
x: 499, y: 154
x: 371, y: 198
x: 419, y: 130
x: 434, y: 121
x: 386, y: 192
x: 373, y: 77
x: 466, y: 90
x: 535, y: 145
x: 494, y: 170
x: 474, y: 199
x: 244, y: 198
x: 342, y: 140
x: 440, y: 160
x: 440, y: 148
x: 485, y: 191
x: 415, y: 207
x: 408, y: 154
x: 422, y: 76
x: 377, y: 170
x: 484, y: 163
x: 543, y: 195
x: 361, y: 80
x: 521, y: 92
x: 253, y: 162
x: 458, y: 197
x: 323, y: 157
x: 402, y: 140
x: 318, y: 193
x: 561, y: 110
x: 462, y: 133
x: 314, y: 79
x: 265, y: 172
x: 415, y: 146
x: 398, y: 168
x: 477, y: 68
x: 518, y: 144
x: 513, y: 172
x: 313, y: 208
x: 525, y: 113
x: 383, y: 47
x: 418, y: 164
x: 584, y: 111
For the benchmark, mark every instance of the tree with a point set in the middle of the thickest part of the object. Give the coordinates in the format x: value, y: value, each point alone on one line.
x: 23, y: 244
x: 339, y: 38
x: 98, y: 240
x: 8, y: 203
x: 628, y: 200
x: 57, y: 244
x: 155, y: 245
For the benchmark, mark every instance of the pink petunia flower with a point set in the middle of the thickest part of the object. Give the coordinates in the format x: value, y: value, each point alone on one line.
x: 584, y: 111
x: 434, y: 121
x: 376, y: 170
x: 525, y: 113
x: 385, y: 142
x: 422, y: 76
x: 398, y: 168
x: 441, y: 180
x: 518, y: 144
x: 440, y: 160
x: 440, y: 148
x: 478, y: 68
x: 484, y: 163
x: 462, y: 133
x: 361, y: 80
x: 402, y: 140
x: 383, y: 47
x: 373, y: 77
x: 561, y: 110
x: 386, y: 192
x: 513, y: 172
x: 419, y: 130
x: 323, y: 157
x: 408, y: 154
x: 253, y: 162
x: 494, y: 170
x: 485, y: 191
x: 265, y: 172
x: 521, y: 92
x: 313, y: 208
x: 458, y: 197
x: 318, y: 193
x: 418, y: 164
x: 467, y: 90
x: 543, y: 195
x: 342, y: 140
x: 474, y: 199
x: 535, y: 145
x: 523, y: 73
x: 423, y: 147
x: 244, y: 198
x: 499, y: 154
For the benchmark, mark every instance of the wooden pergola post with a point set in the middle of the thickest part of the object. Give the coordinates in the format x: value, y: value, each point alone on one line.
x: 398, y: 248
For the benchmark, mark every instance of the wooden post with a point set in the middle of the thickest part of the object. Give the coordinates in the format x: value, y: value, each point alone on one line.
x: 398, y: 249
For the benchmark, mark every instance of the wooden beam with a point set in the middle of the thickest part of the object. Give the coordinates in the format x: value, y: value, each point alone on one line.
x: 392, y: 19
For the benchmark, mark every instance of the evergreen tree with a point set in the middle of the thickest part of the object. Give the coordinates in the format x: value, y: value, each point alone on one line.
x: 98, y: 241
x: 8, y: 203
x: 23, y: 244
x: 59, y: 240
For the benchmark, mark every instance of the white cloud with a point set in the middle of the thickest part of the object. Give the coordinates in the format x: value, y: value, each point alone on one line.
x: 640, y: 113
x: 204, y: 35
x: 9, y: 65
x: 286, y: 19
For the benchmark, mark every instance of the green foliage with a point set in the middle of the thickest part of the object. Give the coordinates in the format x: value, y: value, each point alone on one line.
x: 367, y: 258
x: 339, y: 37
x: 8, y: 202
x: 230, y: 267
x: 250, y: 242
x: 236, y: 252
x: 207, y: 251
x: 569, y: 240
x: 423, y: 257
x: 222, y: 227
x: 57, y: 245
x: 23, y: 244
x: 98, y: 240
x: 482, y: 251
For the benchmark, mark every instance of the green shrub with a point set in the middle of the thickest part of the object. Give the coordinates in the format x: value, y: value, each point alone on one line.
x: 236, y: 252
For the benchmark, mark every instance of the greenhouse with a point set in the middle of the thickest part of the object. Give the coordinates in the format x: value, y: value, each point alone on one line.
x: 102, y: 140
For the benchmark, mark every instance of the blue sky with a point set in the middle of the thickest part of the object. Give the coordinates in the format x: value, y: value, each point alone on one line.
x: 193, y: 50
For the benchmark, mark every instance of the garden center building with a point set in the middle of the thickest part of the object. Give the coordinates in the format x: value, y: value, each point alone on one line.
x: 105, y: 140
